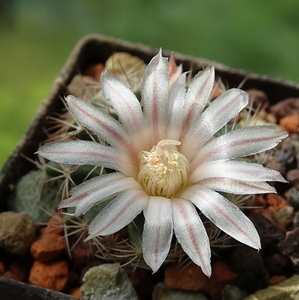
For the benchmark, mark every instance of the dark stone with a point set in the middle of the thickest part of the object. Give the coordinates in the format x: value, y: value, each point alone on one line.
x: 163, y: 292
x: 293, y: 199
x: 141, y: 280
x: 231, y: 292
x: 248, y: 262
x: 258, y: 99
x: 17, y: 232
x: 274, y: 163
x: 286, y: 155
x: 277, y: 263
x: 285, y: 107
x: 296, y: 219
x: 290, y: 247
x: 293, y: 177
x: 267, y: 230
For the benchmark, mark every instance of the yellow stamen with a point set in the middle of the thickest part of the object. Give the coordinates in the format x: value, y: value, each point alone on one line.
x: 163, y: 170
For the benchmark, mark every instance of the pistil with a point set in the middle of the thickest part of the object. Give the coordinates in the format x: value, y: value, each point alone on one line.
x: 163, y: 170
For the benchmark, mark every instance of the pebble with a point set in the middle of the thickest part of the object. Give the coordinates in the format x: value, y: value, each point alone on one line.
x: 222, y: 275
x: 286, y: 155
x: 286, y: 290
x: 17, y: 271
x: 274, y: 208
x: 50, y: 242
x: 282, y: 212
x: 55, y: 225
x: 293, y: 198
x: 189, y: 278
x: 2, y: 268
x: 107, y: 282
x: 17, y: 232
x: 285, y: 108
x: 276, y: 202
x: 289, y: 246
x: 277, y: 263
x: 163, y: 292
x: 80, y: 251
x: 141, y: 281
x: 248, y: 262
x: 231, y: 292
x: 267, y: 230
x: 284, y: 216
x: 293, y: 177
x: 294, y: 138
x: 47, y: 246
x: 276, y: 279
x: 276, y: 163
x: 258, y: 99
x: 51, y: 275
x: 94, y: 71
x: 290, y: 123
x: 296, y: 220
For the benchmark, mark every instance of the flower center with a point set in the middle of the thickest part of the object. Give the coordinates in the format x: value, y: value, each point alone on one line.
x: 163, y: 170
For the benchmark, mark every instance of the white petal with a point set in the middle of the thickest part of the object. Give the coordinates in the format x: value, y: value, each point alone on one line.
x: 235, y: 186
x: 155, y: 97
x: 239, y: 143
x: 107, y: 191
x: 217, y: 114
x: 118, y: 213
x: 234, y: 169
x: 127, y: 107
x: 191, y: 234
x: 92, y: 188
x: 176, y: 107
x: 157, y: 232
x: 102, y: 190
x: 80, y: 152
x: 101, y: 124
x: 225, y: 215
x: 196, y: 99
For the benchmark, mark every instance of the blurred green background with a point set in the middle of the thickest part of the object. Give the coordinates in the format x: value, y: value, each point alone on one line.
x: 36, y: 37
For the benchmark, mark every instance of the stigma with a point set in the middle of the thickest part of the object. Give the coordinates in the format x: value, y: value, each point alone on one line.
x: 163, y: 170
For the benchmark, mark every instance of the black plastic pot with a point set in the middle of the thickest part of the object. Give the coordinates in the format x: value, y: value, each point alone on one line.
x: 15, y: 290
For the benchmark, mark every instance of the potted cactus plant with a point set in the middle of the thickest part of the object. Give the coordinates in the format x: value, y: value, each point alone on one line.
x: 135, y: 149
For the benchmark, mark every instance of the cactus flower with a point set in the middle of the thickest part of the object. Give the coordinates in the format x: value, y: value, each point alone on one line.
x: 168, y: 162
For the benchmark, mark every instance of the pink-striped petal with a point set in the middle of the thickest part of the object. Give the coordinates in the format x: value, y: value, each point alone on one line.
x: 101, y: 188
x: 196, y: 99
x: 157, y: 232
x: 101, y: 124
x: 93, y: 187
x: 225, y: 215
x: 234, y: 169
x: 127, y: 107
x: 174, y: 71
x: 239, y: 143
x: 235, y: 186
x: 191, y: 234
x: 80, y: 152
x: 118, y: 213
x: 155, y: 97
x: 217, y: 114
x: 176, y: 107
